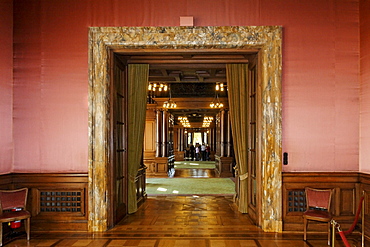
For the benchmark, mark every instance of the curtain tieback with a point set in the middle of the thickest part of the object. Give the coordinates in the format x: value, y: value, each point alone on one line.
x: 243, y: 176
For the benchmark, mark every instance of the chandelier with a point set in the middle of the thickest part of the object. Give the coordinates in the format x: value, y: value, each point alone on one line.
x: 169, y: 103
x: 184, y: 122
x: 207, y: 121
x: 154, y: 86
x: 220, y: 86
x: 216, y: 103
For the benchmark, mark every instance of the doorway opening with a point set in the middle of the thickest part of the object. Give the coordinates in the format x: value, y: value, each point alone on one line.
x: 197, y: 138
x: 192, y: 79
x: 196, y: 75
x: 267, y: 40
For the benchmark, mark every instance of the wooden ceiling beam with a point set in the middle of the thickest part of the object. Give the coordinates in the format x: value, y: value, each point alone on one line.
x: 164, y: 72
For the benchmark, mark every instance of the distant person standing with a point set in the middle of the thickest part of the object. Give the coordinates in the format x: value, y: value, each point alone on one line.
x: 192, y: 151
x: 208, y: 152
x: 197, y: 152
x: 187, y: 152
x: 203, y: 150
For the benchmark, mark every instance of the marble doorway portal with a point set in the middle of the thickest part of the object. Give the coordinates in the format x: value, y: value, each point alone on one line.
x: 266, y: 39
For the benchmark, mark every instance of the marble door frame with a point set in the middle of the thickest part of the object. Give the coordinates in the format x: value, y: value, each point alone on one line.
x: 266, y: 39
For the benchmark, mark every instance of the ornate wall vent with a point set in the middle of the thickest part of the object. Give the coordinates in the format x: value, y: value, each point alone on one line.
x: 62, y: 201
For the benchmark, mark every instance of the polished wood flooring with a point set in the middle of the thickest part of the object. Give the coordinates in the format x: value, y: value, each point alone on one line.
x: 181, y: 221
x: 194, y: 173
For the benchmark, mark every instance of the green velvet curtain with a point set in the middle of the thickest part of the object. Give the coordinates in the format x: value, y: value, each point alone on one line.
x: 137, y: 90
x: 237, y: 82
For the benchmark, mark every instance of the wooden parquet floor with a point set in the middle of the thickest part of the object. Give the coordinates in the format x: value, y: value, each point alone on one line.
x: 180, y: 221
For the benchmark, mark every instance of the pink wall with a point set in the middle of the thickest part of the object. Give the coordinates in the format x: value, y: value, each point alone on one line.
x: 6, y: 86
x: 365, y: 86
x: 320, y: 73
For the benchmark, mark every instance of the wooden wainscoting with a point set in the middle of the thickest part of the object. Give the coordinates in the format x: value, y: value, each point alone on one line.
x: 56, y: 201
x: 6, y: 182
x: 347, y: 187
x: 59, y: 201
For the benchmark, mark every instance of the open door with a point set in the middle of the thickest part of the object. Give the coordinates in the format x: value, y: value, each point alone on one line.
x: 119, y: 191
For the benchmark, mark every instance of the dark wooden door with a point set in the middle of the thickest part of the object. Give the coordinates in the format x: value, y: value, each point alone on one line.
x: 253, y: 150
x: 119, y: 178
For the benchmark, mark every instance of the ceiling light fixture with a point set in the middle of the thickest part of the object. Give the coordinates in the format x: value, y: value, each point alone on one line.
x: 220, y: 86
x: 184, y: 122
x: 169, y: 103
x: 207, y: 120
x: 157, y: 86
x: 216, y: 103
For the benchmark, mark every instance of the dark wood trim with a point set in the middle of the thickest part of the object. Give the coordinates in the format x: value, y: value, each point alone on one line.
x: 319, y: 177
x: 364, y: 178
x: 6, y: 181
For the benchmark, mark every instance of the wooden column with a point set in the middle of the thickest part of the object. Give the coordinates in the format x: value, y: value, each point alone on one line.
x: 180, y: 138
x: 218, y: 135
x: 229, y: 141
x: 222, y: 133
x: 158, y: 134
x: 179, y: 143
x: 213, y: 139
x: 164, y: 134
x: 150, y: 137
x: 225, y: 133
x: 223, y: 156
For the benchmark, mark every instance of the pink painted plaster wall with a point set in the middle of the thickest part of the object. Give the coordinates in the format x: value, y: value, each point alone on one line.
x: 6, y: 86
x: 320, y: 73
x: 365, y: 86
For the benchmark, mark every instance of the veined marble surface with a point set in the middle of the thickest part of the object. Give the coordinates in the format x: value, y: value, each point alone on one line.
x: 267, y: 40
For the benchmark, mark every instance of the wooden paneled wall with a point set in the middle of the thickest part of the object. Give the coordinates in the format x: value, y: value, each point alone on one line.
x: 348, y: 188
